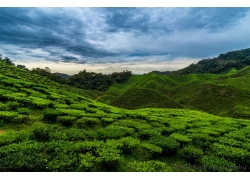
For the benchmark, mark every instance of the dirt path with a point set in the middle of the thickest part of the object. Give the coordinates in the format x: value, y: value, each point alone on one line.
x: 104, y: 96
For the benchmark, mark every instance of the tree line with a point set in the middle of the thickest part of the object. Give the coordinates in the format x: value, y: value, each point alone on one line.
x: 84, y: 79
x: 217, y: 65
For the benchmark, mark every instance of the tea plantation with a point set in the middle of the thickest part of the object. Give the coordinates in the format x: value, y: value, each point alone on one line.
x: 46, y: 126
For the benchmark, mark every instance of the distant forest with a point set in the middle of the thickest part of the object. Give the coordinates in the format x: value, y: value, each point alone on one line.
x: 222, y: 64
x: 84, y: 79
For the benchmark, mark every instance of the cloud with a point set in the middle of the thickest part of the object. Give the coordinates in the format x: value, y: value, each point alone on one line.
x: 121, y: 37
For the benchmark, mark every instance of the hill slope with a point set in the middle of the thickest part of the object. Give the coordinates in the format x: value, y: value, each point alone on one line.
x: 222, y: 64
x: 45, y: 126
x: 219, y: 94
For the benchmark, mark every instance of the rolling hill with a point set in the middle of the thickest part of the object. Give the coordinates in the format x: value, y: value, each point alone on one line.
x: 47, y: 126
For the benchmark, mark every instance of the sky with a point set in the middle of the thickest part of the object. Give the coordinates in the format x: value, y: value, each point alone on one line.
x: 115, y: 39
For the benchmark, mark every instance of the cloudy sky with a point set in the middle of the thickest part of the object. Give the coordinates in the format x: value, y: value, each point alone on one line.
x: 115, y: 39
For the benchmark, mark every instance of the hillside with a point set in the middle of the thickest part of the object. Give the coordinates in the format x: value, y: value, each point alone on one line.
x: 46, y: 126
x: 222, y: 64
x: 218, y: 94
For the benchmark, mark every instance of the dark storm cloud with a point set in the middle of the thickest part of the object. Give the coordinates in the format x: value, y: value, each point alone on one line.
x: 118, y: 35
x: 35, y: 28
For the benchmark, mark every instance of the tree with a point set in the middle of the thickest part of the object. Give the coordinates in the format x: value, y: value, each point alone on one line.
x: 21, y: 66
x: 47, y: 70
x: 7, y: 60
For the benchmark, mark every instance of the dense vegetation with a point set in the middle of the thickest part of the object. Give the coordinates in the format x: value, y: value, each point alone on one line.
x: 222, y: 64
x: 84, y: 79
x: 48, y: 126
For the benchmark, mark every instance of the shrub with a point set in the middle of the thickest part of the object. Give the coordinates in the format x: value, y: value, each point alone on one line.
x: 22, y: 157
x: 40, y: 102
x: 63, y: 161
x: 190, y: 153
x: 146, y: 134
x: 106, y: 121
x: 41, y: 133
x: 139, y: 125
x: 146, y: 166
x: 66, y: 120
x: 51, y: 114
x: 23, y: 162
x: 235, y: 154
x: 87, y: 122
x: 8, y: 116
x: 3, y: 107
x: 78, y: 106
x: 219, y: 164
x: 61, y: 106
x: 25, y: 111
x: 181, y: 138
x: 13, y: 105
x: 114, y: 132
x: 128, y: 144
x: 168, y: 144
x: 110, y: 157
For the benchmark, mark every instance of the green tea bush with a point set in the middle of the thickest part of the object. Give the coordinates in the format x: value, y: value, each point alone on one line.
x: 3, y: 107
x: 61, y: 106
x: 114, y: 132
x: 23, y: 162
x: 63, y: 162
x: 22, y: 157
x: 168, y: 144
x: 73, y: 112
x: 230, y: 142
x: 41, y: 133
x: 146, y: 166
x: 181, y: 138
x: 166, y: 131
x: 110, y: 157
x: 13, y: 105
x: 13, y: 137
x: 78, y: 106
x: 92, y: 106
x: 235, y: 154
x: 106, y: 121
x: 66, y: 120
x: 89, y: 163
x: 190, y: 153
x: 89, y: 110
x: 40, y: 102
x: 217, y: 164
x: 8, y: 116
x: 25, y: 111
x: 146, y: 134
x: 52, y: 114
x: 128, y: 144
x: 87, y: 122
x: 138, y: 125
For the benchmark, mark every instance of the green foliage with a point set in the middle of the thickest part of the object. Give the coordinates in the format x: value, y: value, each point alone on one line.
x: 90, y: 136
x: 234, y: 154
x: 87, y: 122
x: 217, y: 164
x: 168, y: 144
x: 191, y: 153
x: 114, y: 132
x: 66, y: 120
x: 51, y: 114
x: 181, y: 138
x: 41, y: 133
x: 147, y: 166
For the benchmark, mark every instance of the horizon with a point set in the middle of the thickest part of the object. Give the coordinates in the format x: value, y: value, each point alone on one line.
x: 106, y: 40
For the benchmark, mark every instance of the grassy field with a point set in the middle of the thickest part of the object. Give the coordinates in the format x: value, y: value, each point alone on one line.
x: 46, y: 126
